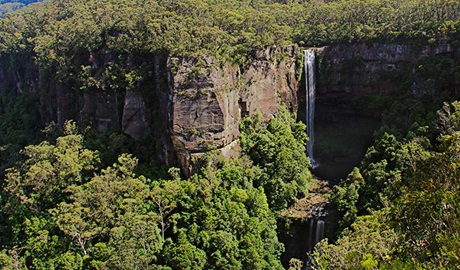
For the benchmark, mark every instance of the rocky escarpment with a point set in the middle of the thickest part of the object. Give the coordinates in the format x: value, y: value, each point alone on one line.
x: 186, y: 106
x: 379, y: 68
x: 208, y: 100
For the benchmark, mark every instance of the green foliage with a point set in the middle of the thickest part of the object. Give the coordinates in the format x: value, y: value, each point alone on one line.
x: 70, y: 31
x: 368, y: 242
x: 415, y: 183
x: 226, y: 220
x: 449, y: 118
x: 112, y: 204
x: 109, y: 144
x: 90, y: 44
x: 344, y: 198
x: 405, y: 134
x: 295, y: 264
x: 278, y: 147
x: 71, y: 215
x: 442, y: 69
x: 184, y: 255
x: 63, y: 212
x: 426, y: 212
x: 42, y: 179
x: 19, y: 125
x: 356, y: 20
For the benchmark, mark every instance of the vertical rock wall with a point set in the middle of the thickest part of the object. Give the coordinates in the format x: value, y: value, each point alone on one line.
x: 190, y: 105
x: 186, y: 105
x: 377, y: 68
x: 209, y: 99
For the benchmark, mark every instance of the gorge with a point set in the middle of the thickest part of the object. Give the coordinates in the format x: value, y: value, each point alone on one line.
x: 196, y: 103
x: 236, y: 134
x: 189, y: 105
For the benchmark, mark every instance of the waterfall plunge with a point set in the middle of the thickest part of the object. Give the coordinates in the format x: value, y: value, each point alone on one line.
x: 319, y: 231
x: 310, y: 87
x: 315, y: 234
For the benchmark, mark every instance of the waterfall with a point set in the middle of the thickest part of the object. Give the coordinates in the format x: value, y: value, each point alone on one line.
x: 310, y: 87
x: 319, y: 231
x: 315, y: 234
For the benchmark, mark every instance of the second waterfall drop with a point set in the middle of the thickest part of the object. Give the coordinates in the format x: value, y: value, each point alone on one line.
x: 310, y: 87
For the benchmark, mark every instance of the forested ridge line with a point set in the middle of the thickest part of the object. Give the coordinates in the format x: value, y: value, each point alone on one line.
x: 230, y: 29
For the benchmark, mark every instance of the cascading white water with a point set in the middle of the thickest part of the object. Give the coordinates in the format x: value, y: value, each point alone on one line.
x: 310, y: 87
x: 315, y: 234
x: 319, y: 231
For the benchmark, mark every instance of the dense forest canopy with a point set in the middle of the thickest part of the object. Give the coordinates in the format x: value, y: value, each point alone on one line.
x: 400, y: 208
x: 64, y: 37
x: 60, y: 209
x: 74, y: 201
x: 225, y: 28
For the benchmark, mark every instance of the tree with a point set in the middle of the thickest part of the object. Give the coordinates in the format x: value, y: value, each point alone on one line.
x: 427, y: 210
x: 278, y: 147
x: 344, y: 198
x: 41, y: 181
x: 419, y: 222
x: 368, y: 242
x: 113, y: 205
x: 220, y: 220
x: 66, y: 215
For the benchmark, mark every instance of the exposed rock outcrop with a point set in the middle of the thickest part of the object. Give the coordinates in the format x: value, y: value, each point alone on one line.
x: 100, y: 109
x: 135, y: 120
x: 187, y: 105
x: 375, y: 68
x: 190, y: 105
x: 208, y: 100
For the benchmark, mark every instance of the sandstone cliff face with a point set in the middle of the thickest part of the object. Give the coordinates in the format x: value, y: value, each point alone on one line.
x: 375, y: 68
x: 190, y: 105
x: 187, y: 105
x: 136, y: 118
x: 208, y: 100
x: 100, y: 109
